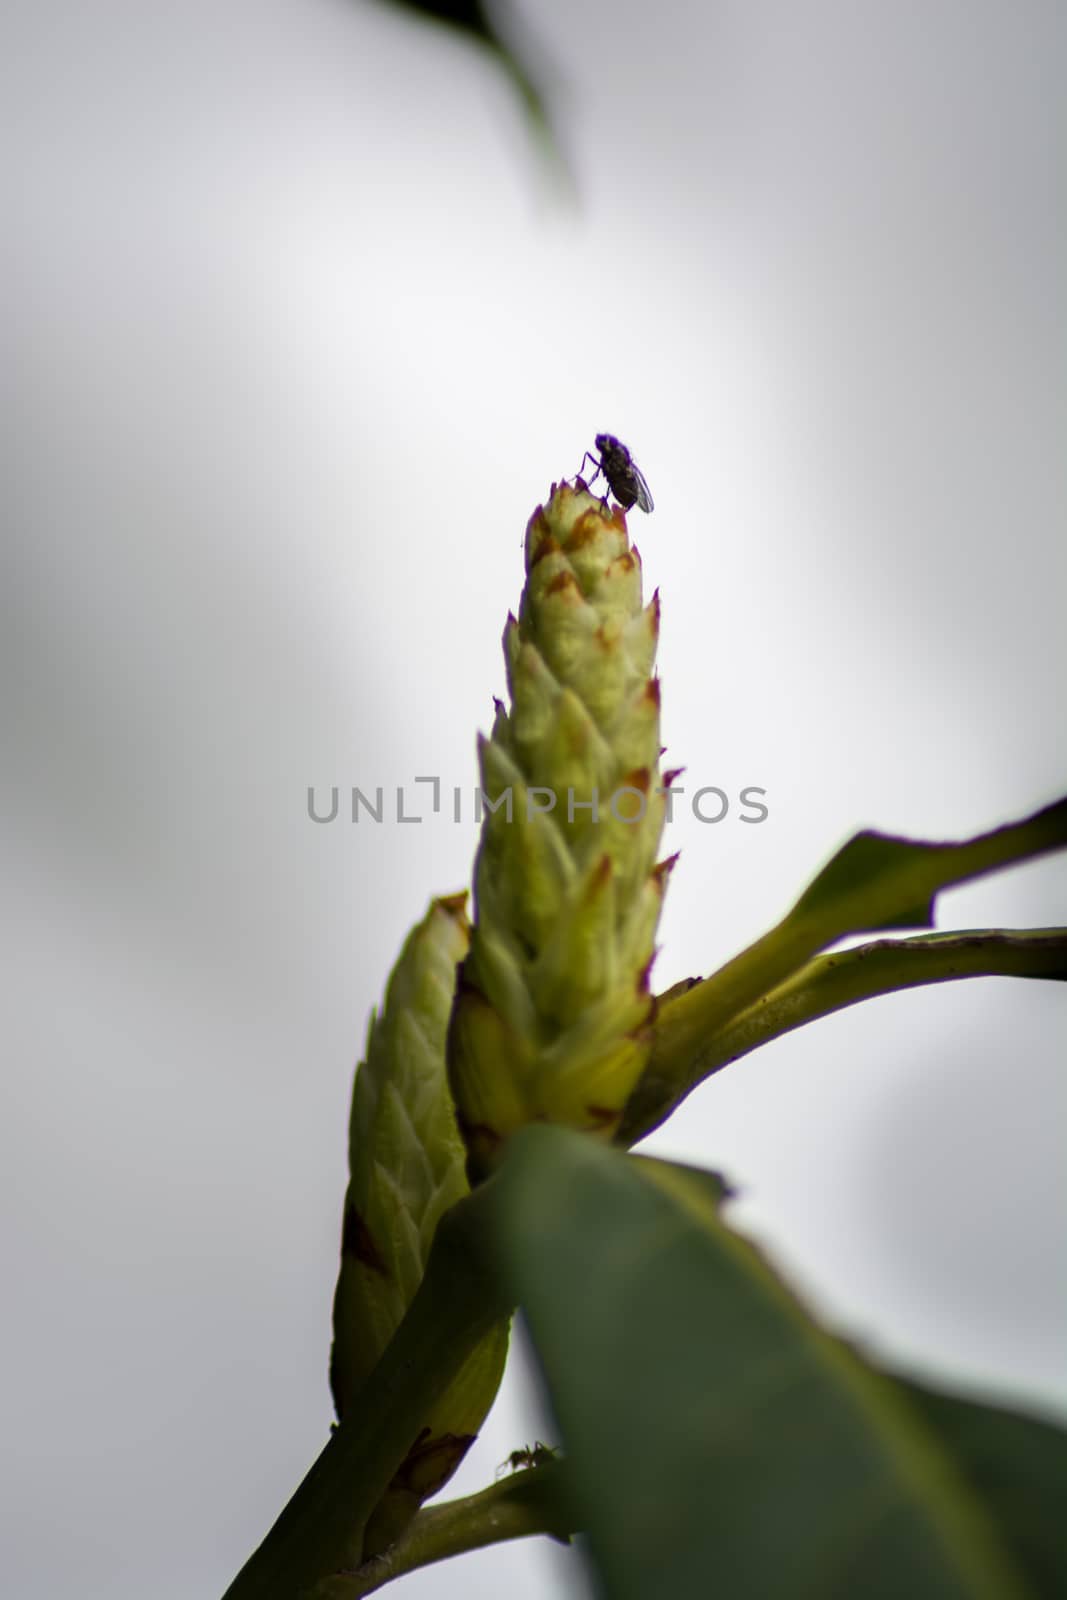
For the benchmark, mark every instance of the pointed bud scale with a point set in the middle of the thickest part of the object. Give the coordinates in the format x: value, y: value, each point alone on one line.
x: 553, y: 1006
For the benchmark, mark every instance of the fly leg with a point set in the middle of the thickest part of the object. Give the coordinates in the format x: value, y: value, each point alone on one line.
x: 598, y: 470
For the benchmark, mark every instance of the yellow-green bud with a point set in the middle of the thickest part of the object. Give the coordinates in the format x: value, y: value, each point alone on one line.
x: 553, y: 1006
x: 407, y: 1167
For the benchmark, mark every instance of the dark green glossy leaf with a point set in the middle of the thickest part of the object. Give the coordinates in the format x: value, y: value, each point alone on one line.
x: 720, y: 1442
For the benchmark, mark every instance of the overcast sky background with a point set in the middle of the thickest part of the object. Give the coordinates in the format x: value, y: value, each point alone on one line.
x: 295, y: 337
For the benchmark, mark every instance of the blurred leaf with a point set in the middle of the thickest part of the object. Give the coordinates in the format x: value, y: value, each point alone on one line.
x: 720, y: 1442
x: 875, y: 881
x: 476, y: 19
x: 1018, y: 1465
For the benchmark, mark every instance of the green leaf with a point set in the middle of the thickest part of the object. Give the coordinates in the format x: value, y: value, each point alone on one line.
x: 719, y: 1441
x: 876, y: 881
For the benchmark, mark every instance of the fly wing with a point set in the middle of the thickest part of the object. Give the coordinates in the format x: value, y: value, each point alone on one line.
x: 643, y: 495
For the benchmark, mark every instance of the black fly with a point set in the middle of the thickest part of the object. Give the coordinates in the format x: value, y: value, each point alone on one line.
x: 621, y: 473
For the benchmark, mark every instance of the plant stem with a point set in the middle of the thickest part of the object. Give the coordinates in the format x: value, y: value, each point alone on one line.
x: 527, y: 1503
x: 874, y: 881
x: 320, y: 1531
x: 830, y: 983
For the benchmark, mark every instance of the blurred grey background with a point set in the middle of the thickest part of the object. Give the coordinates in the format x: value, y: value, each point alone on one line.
x: 296, y: 333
